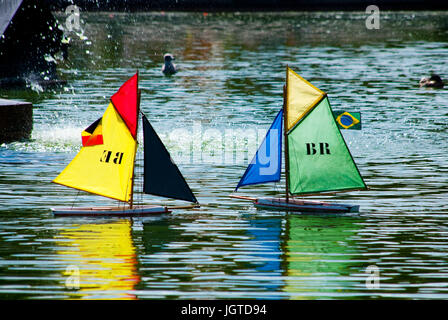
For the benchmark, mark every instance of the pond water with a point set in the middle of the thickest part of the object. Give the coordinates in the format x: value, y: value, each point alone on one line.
x: 232, y: 69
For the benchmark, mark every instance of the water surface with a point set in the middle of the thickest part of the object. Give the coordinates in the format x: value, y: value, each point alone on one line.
x: 232, y: 69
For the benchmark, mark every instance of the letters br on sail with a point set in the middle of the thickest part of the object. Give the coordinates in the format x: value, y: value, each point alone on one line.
x: 317, y: 159
x: 105, y: 164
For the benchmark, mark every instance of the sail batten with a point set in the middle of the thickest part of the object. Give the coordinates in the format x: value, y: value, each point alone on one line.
x: 305, y: 113
x: 328, y: 192
x: 98, y: 193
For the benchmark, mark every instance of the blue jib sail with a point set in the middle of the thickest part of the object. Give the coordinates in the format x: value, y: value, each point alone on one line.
x: 267, y: 163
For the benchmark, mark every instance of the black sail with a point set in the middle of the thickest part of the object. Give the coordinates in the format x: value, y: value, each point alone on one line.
x: 162, y: 177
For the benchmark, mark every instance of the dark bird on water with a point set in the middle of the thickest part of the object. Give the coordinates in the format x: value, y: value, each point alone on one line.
x: 169, y: 68
x: 432, y: 82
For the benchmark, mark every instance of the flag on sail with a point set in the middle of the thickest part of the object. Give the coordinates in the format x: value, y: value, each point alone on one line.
x: 104, y: 169
x: 93, y: 134
x: 125, y: 101
x: 301, y: 95
x: 319, y: 159
x: 348, y: 120
x: 267, y: 162
x: 161, y: 175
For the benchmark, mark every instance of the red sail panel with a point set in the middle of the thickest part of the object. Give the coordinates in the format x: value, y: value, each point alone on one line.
x: 125, y: 102
x: 93, y: 135
x: 88, y: 141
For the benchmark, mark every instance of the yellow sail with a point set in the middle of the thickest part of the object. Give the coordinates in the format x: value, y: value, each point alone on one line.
x: 301, y: 97
x: 105, y: 169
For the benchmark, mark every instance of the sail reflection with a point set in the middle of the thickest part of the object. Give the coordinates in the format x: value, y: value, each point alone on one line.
x: 266, y: 236
x: 105, y: 256
x: 319, y: 253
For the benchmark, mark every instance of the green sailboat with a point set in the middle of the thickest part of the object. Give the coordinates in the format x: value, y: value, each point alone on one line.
x: 317, y: 159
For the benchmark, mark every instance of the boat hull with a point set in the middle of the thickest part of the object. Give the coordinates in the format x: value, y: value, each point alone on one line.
x: 110, y: 211
x: 306, y: 206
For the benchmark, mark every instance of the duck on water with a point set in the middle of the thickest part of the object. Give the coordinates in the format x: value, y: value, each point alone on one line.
x: 169, y: 68
x: 435, y: 81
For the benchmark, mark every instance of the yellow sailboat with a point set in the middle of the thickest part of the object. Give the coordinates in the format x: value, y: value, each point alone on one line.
x: 105, y: 164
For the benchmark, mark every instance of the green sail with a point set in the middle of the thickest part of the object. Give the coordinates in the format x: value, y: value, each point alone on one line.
x: 319, y: 159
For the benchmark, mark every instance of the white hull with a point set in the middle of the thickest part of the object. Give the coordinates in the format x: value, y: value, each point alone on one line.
x: 304, y: 205
x: 110, y: 211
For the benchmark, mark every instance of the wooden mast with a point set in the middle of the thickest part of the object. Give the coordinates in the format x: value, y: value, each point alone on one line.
x: 285, y: 126
x: 139, y: 92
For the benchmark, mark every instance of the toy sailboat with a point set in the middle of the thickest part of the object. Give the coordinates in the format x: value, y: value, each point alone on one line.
x: 105, y: 164
x: 317, y: 159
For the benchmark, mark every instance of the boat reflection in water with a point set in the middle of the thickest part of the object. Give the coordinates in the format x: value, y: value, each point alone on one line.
x: 266, y: 238
x: 320, y: 256
x: 105, y: 256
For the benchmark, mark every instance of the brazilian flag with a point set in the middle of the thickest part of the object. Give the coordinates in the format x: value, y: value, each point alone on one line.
x: 348, y: 120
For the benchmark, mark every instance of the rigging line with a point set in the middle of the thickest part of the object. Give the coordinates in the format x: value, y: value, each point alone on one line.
x: 296, y: 159
x: 140, y: 156
x: 140, y: 160
x: 139, y: 176
x: 276, y: 188
x: 130, y: 181
x: 76, y: 198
